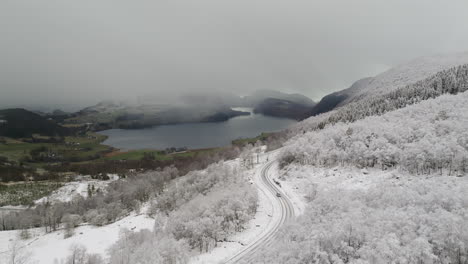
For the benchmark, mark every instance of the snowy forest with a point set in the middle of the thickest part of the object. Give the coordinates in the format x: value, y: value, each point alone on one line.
x: 193, y: 213
x: 424, y: 138
x: 381, y: 219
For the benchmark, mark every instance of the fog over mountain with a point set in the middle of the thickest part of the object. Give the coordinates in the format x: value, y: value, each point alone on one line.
x: 71, y: 54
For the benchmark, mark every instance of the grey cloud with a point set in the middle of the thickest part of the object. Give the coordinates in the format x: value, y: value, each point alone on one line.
x: 75, y: 53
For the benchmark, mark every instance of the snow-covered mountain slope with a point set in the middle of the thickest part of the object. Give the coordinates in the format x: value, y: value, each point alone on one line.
x: 452, y: 80
x: 388, y: 81
x: 405, y: 74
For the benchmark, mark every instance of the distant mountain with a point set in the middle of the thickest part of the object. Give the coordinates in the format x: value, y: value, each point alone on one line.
x: 279, y: 104
x: 21, y: 123
x: 329, y: 102
x: 282, y: 108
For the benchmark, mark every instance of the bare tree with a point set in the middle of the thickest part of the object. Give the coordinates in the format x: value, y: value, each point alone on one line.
x: 18, y: 253
x: 77, y: 255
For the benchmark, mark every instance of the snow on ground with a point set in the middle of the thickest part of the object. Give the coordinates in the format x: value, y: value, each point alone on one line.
x: 13, y: 207
x: 46, y: 248
x: 302, y: 177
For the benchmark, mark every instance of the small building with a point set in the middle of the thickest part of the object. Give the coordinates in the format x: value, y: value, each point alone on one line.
x: 2, y: 121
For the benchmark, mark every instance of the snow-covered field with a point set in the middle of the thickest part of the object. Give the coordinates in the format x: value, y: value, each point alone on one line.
x: 48, y: 248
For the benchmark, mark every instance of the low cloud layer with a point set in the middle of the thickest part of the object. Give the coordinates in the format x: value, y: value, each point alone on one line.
x: 74, y: 53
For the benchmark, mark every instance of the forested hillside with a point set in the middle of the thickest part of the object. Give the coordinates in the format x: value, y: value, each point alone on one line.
x: 20, y: 123
x: 384, y: 179
x: 193, y: 214
x: 424, y: 138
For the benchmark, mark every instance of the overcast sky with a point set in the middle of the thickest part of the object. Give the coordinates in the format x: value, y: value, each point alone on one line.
x: 76, y: 53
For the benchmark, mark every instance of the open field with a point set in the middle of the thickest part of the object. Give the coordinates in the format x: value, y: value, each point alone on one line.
x: 76, y: 148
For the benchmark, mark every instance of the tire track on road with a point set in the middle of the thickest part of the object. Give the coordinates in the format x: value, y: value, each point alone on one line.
x: 267, y: 237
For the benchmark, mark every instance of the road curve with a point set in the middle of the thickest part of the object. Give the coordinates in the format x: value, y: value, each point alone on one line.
x: 283, y: 208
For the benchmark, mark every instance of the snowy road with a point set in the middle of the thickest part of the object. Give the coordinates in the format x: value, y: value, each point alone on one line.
x: 283, y: 210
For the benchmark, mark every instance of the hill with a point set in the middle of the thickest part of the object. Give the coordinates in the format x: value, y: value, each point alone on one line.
x: 453, y: 80
x: 21, y: 123
x: 279, y: 104
x: 385, y: 174
x: 282, y: 108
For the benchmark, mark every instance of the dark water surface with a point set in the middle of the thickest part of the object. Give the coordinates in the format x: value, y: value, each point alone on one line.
x: 196, y: 135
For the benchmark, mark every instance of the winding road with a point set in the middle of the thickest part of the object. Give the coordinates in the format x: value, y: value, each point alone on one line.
x: 283, y: 211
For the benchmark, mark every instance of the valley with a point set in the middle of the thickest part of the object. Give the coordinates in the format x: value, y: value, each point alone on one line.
x: 234, y: 132
x: 373, y: 173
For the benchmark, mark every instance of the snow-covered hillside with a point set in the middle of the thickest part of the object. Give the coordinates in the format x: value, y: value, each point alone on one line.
x: 424, y: 138
x: 386, y: 176
x: 190, y: 215
x: 45, y: 248
x: 449, y: 81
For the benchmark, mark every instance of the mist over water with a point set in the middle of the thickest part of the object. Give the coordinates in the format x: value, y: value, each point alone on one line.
x: 195, y: 135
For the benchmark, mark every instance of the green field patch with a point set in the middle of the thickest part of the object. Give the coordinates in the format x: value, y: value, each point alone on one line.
x: 72, y: 149
x: 253, y: 140
x: 157, y: 154
x: 25, y: 193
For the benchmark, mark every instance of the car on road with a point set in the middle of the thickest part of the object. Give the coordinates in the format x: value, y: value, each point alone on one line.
x: 277, y: 183
x: 278, y: 194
